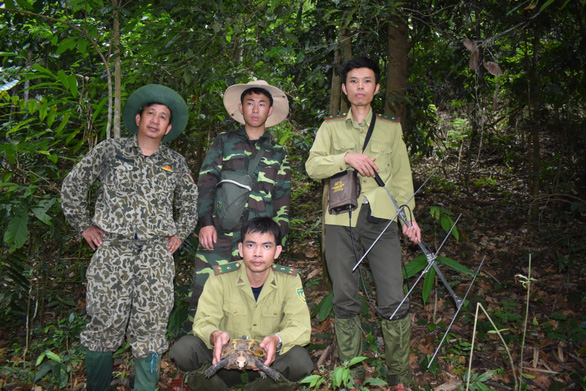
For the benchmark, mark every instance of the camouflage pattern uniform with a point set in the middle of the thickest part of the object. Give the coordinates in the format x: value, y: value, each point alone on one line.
x: 130, y: 277
x: 232, y: 151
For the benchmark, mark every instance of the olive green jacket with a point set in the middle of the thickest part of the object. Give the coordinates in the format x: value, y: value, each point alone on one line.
x: 227, y: 303
x: 339, y: 135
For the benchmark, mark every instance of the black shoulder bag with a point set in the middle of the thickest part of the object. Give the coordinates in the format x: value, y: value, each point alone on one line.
x: 232, y: 193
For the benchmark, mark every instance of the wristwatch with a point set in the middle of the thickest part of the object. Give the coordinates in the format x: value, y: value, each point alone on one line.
x: 280, y: 344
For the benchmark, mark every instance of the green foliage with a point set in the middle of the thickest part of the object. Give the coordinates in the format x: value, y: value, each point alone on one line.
x: 57, y: 355
x: 419, y: 263
x: 444, y: 217
x: 563, y: 328
x: 54, y: 105
x: 340, y: 378
x: 477, y: 381
x: 324, y: 308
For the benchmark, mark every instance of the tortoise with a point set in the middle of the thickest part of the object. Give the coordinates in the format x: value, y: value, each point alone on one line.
x: 243, y: 353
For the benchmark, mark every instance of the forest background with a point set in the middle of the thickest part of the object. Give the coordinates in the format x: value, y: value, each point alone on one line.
x: 491, y: 98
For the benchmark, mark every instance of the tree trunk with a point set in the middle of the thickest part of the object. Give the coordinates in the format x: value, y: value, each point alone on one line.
x: 337, y: 102
x: 336, y: 88
x: 396, y: 89
x: 534, y: 110
x: 117, y: 69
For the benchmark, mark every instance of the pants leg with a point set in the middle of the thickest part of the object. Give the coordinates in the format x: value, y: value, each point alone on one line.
x: 192, y: 357
x: 384, y: 260
x: 152, y: 300
x: 340, y: 261
x: 108, y: 297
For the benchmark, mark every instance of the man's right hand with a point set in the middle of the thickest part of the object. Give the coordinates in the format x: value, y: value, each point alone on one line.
x: 218, y: 339
x: 362, y: 163
x: 208, y: 237
x: 93, y: 236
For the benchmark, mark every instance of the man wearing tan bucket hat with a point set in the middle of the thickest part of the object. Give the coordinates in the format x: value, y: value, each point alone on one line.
x: 146, y: 207
x: 234, y: 155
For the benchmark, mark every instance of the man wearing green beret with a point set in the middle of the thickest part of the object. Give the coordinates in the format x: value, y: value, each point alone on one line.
x: 146, y: 207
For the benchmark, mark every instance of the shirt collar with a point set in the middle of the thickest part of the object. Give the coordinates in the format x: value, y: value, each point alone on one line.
x: 264, y: 139
x: 136, y: 148
x: 366, y: 121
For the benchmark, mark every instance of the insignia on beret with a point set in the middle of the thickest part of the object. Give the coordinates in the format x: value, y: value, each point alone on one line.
x: 292, y: 271
x: 389, y: 118
x: 226, y: 268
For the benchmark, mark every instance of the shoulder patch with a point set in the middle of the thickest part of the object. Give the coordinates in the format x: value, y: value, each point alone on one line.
x: 226, y: 268
x: 337, y: 116
x: 292, y: 271
x: 389, y: 118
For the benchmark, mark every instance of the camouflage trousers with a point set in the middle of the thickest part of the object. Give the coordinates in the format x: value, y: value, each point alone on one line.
x: 225, y: 250
x: 129, y: 292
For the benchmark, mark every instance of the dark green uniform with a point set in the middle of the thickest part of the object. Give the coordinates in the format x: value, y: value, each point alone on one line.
x: 232, y: 151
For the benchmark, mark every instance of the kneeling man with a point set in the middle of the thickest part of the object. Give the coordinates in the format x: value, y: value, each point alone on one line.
x: 253, y: 298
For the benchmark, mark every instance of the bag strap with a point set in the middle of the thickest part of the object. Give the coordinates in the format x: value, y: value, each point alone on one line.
x: 369, y: 133
x: 253, y: 163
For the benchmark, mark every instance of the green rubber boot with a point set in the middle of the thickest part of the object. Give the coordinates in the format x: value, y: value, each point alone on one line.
x: 397, y: 337
x: 147, y: 370
x: 98, y: 366
x: 349, y: 337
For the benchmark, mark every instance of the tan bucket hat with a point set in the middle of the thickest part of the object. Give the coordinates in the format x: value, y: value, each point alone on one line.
x: 280, y: 102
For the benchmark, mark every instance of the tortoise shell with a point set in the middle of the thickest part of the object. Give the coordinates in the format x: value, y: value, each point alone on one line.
x: 243, y: 354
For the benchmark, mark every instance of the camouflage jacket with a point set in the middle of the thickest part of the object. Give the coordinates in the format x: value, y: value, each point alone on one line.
x: 232, y: 151
x: 138, y: 195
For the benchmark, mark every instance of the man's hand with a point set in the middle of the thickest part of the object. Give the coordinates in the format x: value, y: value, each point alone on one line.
x: 269, y: 344
x: 173, y: 243
x: 93, y: 236
x: 208, y: 237
x: 413, y: 232
x: 362, y: 163
x: 218, y: 338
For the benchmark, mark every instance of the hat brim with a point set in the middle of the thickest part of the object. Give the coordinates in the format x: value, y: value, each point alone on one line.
x: 159, y: 94
x: 280, y: 102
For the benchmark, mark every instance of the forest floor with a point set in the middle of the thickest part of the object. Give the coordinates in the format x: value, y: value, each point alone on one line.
x: 494, y: 226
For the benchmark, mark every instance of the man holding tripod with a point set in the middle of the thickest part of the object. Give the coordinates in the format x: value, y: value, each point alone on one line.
x: 342, y: 143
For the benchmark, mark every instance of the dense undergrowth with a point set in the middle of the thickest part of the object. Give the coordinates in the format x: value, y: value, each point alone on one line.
x: 526, y: 306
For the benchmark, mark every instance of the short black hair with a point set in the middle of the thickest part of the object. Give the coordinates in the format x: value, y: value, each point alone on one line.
x: 147, y: 105
x: 361, y: 62
x: 257, y: 90
x: 261, y: 225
